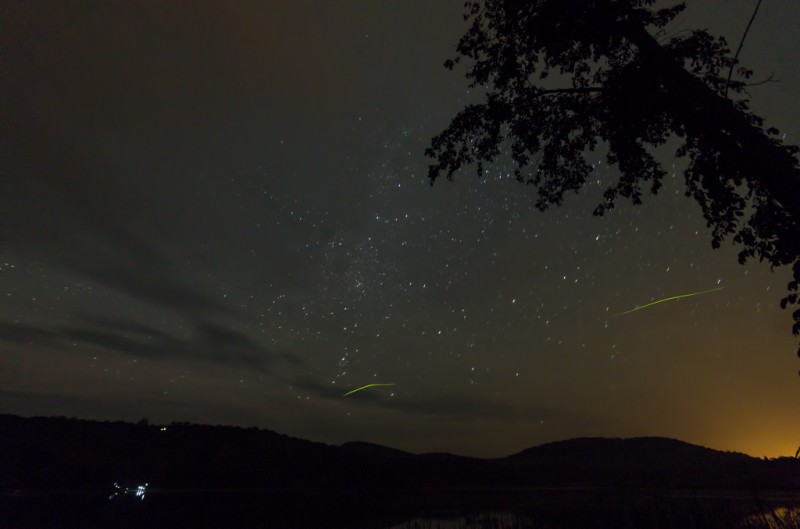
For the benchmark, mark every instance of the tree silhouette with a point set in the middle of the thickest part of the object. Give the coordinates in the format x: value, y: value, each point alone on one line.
x: 633, y: 90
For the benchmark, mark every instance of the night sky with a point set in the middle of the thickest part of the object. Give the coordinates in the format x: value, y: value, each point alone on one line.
x: 220, y: 213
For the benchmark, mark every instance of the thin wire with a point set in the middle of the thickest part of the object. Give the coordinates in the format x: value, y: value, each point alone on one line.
x: 741, y: 42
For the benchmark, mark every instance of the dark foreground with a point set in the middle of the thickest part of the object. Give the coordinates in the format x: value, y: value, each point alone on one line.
x: 60, y: 473
x: 361, y: 509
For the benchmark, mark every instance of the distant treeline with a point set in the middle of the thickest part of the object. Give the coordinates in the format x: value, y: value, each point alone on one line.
x: 72, y: 453
x: 61, y: 453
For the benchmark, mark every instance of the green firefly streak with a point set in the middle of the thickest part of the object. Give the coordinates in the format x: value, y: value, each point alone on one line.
x: 365, y: 387
x: 668, y: 299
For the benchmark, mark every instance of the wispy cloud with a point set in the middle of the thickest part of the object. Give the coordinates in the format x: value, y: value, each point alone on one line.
x: 209, y: 342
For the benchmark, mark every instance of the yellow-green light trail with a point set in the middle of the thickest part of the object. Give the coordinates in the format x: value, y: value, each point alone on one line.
x: 634, y: 309
x: 365, y: 387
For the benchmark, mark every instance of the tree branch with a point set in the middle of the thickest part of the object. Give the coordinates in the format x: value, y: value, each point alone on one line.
x: 773, y: 167
x: 765, y: 81
x: 587, y: 90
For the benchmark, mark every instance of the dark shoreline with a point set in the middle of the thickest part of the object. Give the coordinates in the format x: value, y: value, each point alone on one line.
x: 59, y: 473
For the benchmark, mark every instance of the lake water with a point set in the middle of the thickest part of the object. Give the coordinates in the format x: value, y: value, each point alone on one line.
x: 463, y: 509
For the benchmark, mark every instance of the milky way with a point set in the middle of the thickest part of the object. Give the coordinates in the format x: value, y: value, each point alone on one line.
x: 224, y: 216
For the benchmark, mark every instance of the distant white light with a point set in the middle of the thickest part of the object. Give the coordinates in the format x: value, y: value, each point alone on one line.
x: 139, y: 491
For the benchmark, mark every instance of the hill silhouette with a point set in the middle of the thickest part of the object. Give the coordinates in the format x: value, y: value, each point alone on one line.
x: 375, y: 450
x: 652, y: 461
x: 60, y: 453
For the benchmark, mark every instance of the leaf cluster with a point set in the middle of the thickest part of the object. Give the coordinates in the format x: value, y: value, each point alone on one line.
x: 616, y: 84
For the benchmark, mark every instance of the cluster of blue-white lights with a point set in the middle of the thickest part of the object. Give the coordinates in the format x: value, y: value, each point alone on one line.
x: 138, y: 491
